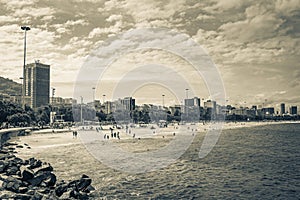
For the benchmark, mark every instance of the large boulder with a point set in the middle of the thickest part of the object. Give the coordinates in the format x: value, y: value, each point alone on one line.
x: 26, y: 173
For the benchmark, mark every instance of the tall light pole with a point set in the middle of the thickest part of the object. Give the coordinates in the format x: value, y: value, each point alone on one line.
x: 163, y: 100
x: 187, y: 93
x: 81, y: 109
x: 93, y: 88
x: 25, y: 29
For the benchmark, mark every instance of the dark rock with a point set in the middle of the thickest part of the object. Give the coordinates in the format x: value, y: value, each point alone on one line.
x: 38, y: 178
x: 77, y: 195
x: 51, y: 180
x: 61, y: 189
x: 30, y: 192
x: 34, y: 163
x: 44, y: 168
x: 37, y: 196
x: 9, y: 144
x: 2, y: 166
x: 19, y: 146
x: 28, y: 147
x: 27, y: 174
x: 85, y: 176
x: 12, y: 170
x: 4, y: 151
x: 22, y: 197
x: 23, y: 190
x: 12, y: 184
x: 6, y: 156
x: 84, y: 183
x: 89, y: 189
x: 11, y: 148
x: 44, y: 191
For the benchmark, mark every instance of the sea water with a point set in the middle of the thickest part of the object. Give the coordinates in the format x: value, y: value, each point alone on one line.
x: 247, y: 163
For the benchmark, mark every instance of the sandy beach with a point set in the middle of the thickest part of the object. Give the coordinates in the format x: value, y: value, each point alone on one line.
x: 70, y: 158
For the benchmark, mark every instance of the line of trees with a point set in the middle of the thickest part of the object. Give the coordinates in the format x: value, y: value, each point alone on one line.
x: 13, y: 115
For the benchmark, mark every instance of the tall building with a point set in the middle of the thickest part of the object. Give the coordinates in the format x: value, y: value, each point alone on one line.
x: 192, y: 102
x: 128, y: 103
x: 37, y: 84
x: 282, y: 108
x: 293, y: 110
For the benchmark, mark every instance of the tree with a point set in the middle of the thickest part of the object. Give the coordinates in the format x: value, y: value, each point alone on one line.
x: 19, y: 119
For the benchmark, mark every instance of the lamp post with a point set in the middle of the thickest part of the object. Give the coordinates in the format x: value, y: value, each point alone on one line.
x: 163, y: 100
x: 93, y: 88
x: 25, y: 29
x: 81, y: 97
x: 187, y: 93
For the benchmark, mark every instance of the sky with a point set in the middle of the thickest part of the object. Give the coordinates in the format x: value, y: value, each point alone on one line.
x: 253, y: 44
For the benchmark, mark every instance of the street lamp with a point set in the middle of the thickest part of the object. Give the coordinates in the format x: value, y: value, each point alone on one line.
x: 163, y: 100
x: 93, y: 88
x: 81, y: 97
x: 25, y: 29
x: 187, y: 93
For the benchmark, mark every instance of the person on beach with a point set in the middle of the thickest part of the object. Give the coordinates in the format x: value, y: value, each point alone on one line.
x: 75, y: 134
x: 133, y: 136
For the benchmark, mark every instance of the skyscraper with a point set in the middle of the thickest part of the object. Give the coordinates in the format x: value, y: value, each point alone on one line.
x: 37, y: 84
x: 282, y: 108
x: 293, y: 110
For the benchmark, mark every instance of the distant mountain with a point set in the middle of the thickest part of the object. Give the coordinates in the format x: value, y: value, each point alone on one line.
x: 10, y: 87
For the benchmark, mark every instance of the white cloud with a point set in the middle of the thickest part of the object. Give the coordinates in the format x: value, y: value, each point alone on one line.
x: 113, y: 18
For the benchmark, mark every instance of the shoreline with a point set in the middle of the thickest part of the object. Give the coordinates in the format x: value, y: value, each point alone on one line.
x: 70, y: 158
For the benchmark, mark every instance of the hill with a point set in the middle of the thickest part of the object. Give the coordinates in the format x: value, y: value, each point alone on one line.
x: 10, y: 87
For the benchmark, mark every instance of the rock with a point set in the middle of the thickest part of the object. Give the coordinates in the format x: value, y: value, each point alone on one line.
x: 34, y: 163
x: 26, y: 174
x: 2, y: 166
x: 51, y: 180
x: 12, y: 184
x: 77, y: 195
x: 19, y: 146
x: 9, y: 144
x: 6, y: 156
x: 23, y: 190
x: 89, y: 189
x: 11, y: 148
x: 61, y: 189
x: 84, y: 183
x: 22, y: 197
x: 38, y: 178
x: 12, y: 170
x: 4, y: 151
x: 37, y: 196
x: 44, y: 168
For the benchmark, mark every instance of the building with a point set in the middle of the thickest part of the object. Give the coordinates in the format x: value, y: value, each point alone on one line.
x: 268, y: 111
x: 37, y: 84
x: 293, y: 110
x: 192, y: 102
x: 128, y: 103
x: 282, y: 108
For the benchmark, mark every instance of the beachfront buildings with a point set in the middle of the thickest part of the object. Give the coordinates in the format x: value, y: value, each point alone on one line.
x: 282, y: 108
x: 293, y: 110
x: 36, y: 84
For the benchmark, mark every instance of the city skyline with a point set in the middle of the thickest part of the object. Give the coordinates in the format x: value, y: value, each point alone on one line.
x: 253, y: 44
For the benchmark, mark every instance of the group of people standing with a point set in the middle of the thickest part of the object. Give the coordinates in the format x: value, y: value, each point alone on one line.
x: 112, y: 135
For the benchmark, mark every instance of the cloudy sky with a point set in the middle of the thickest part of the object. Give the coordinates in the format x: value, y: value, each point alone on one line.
x: 254, y: 44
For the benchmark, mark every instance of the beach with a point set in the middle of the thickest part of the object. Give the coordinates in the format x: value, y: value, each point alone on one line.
x: 70, y: 158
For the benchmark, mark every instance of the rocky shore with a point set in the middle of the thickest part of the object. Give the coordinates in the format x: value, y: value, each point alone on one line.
x: 34, y: 179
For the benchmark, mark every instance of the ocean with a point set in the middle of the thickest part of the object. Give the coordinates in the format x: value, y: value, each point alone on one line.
x: 247, y: 163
